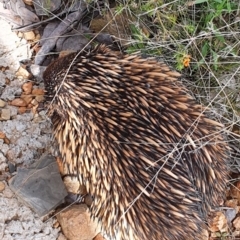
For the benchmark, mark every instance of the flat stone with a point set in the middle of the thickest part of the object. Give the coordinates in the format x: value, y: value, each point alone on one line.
x: 40, y: 186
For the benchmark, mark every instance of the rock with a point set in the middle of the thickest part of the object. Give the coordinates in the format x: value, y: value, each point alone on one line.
x: 230, y: 214
x: 12, y: 167
x: 28, y: 2
x: 72, y: 184
x: 2, y: 103
x: 236, y: 223
x: 18, y: 102
x: 40, y: 186
x: 99, y: 237
x: 30, y: 36
x: 13, y: 110
x: 2, y: 135
x: 22, y: 110
x: 6, y: 114
x: 8, y: 193
x: 38, y: 91
x: 37, y: 37
x: 39, y: 98
x: 6, y: 140
x: 11, y: 90
x: 34, y: 110
x: 37, y: 71
x: 61, y: 237
x: 20, y: 34
x: 56, y: 224
x: 27, y: 98
x: 75, y: 221
x: 3, y: 163
x: 2, y: 186
x: 27, y: 87
x: 22, y: 73
x: 218, y: 222
x: 34, y: 102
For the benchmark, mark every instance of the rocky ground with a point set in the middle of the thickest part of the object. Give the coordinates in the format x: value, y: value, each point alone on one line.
x: 24, y: 136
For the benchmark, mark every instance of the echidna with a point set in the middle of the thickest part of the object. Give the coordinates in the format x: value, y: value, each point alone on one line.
x: 142, y: 146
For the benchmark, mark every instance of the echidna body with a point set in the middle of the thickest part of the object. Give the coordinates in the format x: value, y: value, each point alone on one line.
x: 128, y: 129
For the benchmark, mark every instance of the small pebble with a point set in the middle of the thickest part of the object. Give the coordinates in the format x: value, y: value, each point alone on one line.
x: 39, y: 98
x: 29, y: 35
x: 27, y: 87
x: 34, y: 111
x: 2, y: 103
x: 99, y: 237
x: 38, y: 91
x: 18, y: 102
x: 28, y: 2
x: 2, y: 135
x: 22, y: 73
x: 6, y: 140
x: 61, y: 237
x: 22, y: 110
x: 12, y: 167
x: 34, y: 102
x: 2, y: 186
x: 38, y: 37
x: 8, y: 193
x: 26, y: 98
x: 56, y: 224
x: 20, y: 34
x: 6, y: 114
x: 7, y: 81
